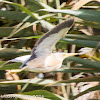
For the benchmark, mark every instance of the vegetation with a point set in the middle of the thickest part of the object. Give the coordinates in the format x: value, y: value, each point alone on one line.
x: 23, y: 22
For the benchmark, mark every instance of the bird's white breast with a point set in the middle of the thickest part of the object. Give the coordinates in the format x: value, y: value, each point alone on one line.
x: 44, y: 64
x: 53, y: 62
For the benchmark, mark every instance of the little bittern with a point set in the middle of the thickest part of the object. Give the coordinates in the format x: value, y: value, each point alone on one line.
x: 42, y: 59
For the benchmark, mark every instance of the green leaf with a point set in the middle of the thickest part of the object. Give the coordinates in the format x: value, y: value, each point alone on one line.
x: 9, y: 53
x: 6, y: 31
x: 33, y: 5
x: 83, y: 37
x: 29, y: 37
x: 8, y: 88
x: 86, y: 79
x: 20, y: 16
x: 82, y: 43
x: 35, y: 95
x: 90, y: 15
x: 44, y: 93
x: 90, y: 64
x: 9, y: 66
x: 76, y: 70
x: 87, y: 91
x: 86, y: 67
x: 39, y: 5
x: 19, y: 6
x: 89, y: 23
x: 4, y: 89
x: 15, y: 15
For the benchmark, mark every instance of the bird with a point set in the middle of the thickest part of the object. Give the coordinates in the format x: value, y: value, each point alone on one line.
x: 42, y: 58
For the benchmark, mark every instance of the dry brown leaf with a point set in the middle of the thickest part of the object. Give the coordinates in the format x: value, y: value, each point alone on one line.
x: 34, y: 29
x: 79, y: 4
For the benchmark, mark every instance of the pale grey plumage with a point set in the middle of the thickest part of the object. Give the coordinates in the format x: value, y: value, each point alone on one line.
x: 46, y: 43
x: 64, y: 27
x: 42, y: 59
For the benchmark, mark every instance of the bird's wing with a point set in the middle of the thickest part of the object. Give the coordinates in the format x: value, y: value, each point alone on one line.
x: 20, y: 59
x: 45, y: 45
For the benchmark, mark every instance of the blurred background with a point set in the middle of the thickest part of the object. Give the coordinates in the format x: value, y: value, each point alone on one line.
x: 23, y: 22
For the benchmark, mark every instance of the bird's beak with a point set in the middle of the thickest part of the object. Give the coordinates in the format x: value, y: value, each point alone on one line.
x: 71, y: 54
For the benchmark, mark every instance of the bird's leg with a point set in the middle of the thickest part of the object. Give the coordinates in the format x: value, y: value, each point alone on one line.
x: 15, y: 71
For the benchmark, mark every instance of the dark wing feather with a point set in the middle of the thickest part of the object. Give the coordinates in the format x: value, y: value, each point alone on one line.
x: 46, y: 43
